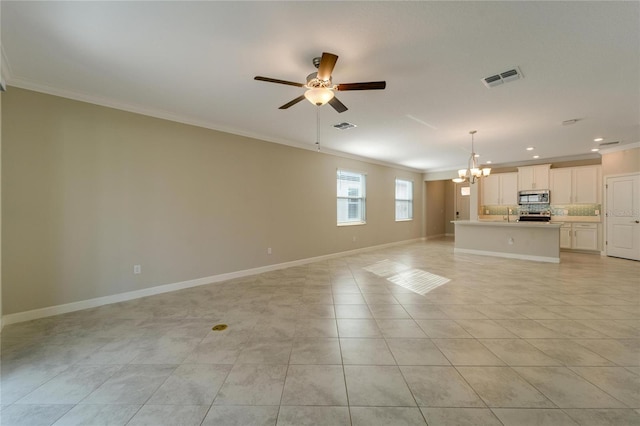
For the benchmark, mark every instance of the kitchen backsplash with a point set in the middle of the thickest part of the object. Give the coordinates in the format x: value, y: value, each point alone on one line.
x: 556, y: 210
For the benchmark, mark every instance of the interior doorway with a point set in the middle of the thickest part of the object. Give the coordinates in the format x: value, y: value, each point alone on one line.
x: 461, y: 208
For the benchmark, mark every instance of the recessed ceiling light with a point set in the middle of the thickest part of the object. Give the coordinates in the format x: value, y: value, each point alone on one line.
x: 489, y: 162
x: 536, y: 156
x: 595, y: 149
x: 598, y: 139
x: 476, y: 155
x: 530, y: 148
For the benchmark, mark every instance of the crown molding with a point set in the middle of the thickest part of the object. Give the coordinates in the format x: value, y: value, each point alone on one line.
x: 618, y: 148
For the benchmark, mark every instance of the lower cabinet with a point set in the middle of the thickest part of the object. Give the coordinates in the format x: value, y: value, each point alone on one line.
x: 565, y: 236
x: 579, y: 236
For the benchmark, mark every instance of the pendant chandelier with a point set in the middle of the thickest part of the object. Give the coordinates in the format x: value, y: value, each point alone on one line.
x: 473, y: 172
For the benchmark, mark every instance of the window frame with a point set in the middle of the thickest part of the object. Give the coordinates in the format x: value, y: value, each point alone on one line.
x: 408, y: 201
x: 361, y: 199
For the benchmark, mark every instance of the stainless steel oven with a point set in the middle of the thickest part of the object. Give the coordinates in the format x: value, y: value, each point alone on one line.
x: 535, y: 217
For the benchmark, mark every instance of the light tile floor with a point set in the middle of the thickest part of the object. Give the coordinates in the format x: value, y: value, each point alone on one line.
x: 332, y: 343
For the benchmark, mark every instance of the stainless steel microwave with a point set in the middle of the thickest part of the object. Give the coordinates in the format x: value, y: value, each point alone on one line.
x: 535, y: 196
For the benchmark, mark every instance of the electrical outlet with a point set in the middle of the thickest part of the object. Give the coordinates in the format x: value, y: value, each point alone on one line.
x: 354, y: 238
x: 597, y: 212
x: 269, y: 250
x: 137, y: 269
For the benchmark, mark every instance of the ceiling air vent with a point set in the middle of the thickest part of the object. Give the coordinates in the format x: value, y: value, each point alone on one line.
x: 503, y: 77
x: 344, y: 126
x: 609, y: 143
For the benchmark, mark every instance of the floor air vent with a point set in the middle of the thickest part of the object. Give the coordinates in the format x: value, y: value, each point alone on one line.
x: 503, y: 77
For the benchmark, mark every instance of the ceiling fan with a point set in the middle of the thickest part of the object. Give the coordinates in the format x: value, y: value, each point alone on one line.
x: 321, y: 88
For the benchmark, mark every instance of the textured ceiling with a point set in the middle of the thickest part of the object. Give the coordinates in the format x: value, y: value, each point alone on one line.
x: 194, y: 62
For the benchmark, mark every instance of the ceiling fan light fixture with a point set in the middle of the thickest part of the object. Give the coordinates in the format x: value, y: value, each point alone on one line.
x: 319, y: 96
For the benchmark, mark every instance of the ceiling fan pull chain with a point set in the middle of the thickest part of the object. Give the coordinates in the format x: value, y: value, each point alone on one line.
x: 318, y: 128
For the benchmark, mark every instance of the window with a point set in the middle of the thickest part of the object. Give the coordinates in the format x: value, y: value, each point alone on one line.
x: 404, y: 199
x: 351, y: 198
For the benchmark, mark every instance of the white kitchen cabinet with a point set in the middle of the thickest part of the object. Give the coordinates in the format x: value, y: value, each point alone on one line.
x: 575, y: 185
x: 586, y: 185
x: 509, y: 188
x: 579, y: 236
x: 585, y: 236
x: 561, y: 183
x: 565, y: 236
x: 533, y: 177
x: 500, y: 189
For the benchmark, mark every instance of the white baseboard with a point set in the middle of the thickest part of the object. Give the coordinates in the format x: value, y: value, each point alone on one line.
x: 508, y: 255
x: 433, y: 237
x: 151, y: 291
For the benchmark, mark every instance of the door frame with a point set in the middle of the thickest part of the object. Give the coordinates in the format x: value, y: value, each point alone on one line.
x: 605, y: 223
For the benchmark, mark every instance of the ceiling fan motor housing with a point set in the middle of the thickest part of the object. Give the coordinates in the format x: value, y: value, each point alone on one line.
x: 314, y: 82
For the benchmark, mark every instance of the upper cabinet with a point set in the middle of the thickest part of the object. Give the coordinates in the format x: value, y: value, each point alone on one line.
x: 533, y: 177
x: 575, y: 185
x: 500, y: 189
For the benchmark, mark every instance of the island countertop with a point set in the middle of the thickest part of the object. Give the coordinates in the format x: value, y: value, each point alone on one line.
x: 505, y: 223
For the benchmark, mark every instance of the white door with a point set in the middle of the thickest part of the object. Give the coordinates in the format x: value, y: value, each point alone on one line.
x: 623, y: 216
x: 462, y: 201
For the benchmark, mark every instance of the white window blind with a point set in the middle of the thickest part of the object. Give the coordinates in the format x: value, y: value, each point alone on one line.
x: 404, y: 199
x: 351, y: 197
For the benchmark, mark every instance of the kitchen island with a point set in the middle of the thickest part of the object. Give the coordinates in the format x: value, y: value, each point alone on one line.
x: 518, y: 240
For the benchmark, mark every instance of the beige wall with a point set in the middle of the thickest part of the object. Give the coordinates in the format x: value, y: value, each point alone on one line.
x: 89, y: 191
x: 621, y: 162
x: 1, y: 96
x: 1, y: 76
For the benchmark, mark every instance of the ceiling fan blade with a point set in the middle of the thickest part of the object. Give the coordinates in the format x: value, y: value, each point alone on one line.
x: 372, y: 85
x: 337, y: 105
x: 275, y: 80
x: 293, y: 102
x: 327, y: 62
